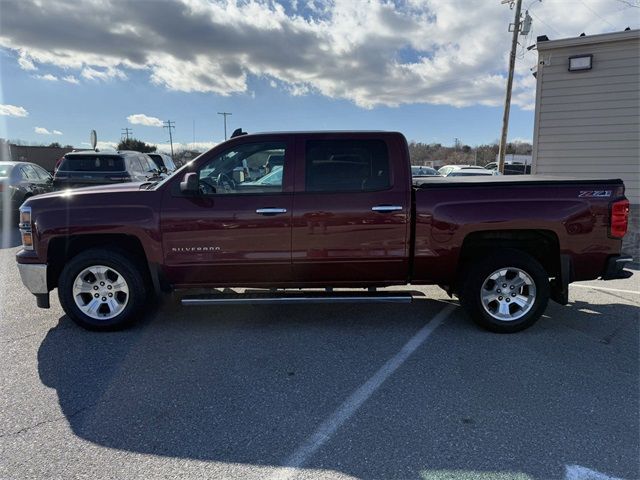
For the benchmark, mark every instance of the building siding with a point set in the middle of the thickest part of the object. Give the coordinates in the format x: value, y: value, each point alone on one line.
x: 587, y: 123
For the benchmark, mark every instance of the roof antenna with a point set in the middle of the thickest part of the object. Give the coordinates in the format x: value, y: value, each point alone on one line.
x: 238, y: 132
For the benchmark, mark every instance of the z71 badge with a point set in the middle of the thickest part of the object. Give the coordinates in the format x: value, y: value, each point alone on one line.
x: 595, y: 193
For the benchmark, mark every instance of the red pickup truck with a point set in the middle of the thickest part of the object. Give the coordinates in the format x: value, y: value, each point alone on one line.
x: 320, y: 211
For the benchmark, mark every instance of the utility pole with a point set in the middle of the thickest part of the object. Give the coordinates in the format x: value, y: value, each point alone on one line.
x: 126, y: 132
x: 169, y: 124
x: 507, y: 100
x: 225, y: 114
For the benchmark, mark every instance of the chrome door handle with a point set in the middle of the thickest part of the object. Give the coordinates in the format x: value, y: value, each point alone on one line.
x: 271, y: 211
x: 386, y: 208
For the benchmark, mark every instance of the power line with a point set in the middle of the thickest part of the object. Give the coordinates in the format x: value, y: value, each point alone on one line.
x: 170, y: 125
x: 126, y: 132
x: 545, y: 23
x: 596, y: 14
x: 628, y: 3
x: 225, y: 115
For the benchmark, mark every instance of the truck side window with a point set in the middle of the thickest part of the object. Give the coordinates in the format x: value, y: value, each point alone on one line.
x: 346, y: 166
x: 248, y: 168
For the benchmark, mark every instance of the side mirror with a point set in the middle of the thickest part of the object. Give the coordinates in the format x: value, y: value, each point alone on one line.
x: 189, y: 185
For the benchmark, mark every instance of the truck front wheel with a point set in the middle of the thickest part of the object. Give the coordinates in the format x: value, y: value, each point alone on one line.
x: 102, y: 289
x: 506, y: 292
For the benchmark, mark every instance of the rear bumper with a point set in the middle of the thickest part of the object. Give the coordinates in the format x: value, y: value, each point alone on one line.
x: 615, y: 267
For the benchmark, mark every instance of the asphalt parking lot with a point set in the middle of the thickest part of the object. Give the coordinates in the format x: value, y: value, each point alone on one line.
x: 364, y: 391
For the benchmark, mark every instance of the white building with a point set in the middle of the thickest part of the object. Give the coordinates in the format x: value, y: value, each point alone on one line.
x: 587, y: 119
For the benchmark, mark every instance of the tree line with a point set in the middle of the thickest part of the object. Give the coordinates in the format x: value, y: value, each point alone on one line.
x: 438, y: 154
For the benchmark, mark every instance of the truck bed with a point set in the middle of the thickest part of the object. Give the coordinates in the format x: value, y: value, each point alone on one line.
x: 509, y: 180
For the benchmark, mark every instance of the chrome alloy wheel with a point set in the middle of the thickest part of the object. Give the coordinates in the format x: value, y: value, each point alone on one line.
x: 100, y: 292
x: 508, y: 294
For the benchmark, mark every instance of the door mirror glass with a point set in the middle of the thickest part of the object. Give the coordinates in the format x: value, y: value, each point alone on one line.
x: 189, y: 185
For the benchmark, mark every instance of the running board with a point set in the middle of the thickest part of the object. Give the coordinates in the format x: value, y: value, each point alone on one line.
x: 280, y: 298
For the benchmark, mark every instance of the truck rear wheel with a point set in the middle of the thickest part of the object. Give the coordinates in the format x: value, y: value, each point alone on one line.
x: 506, y: 292
x: 102, y: 289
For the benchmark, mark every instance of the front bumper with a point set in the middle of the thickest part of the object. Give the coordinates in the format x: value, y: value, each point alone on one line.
x: 615, y: 267
x: 34, y: 277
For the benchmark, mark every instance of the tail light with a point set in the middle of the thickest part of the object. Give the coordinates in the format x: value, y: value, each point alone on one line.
x: 619, y: 218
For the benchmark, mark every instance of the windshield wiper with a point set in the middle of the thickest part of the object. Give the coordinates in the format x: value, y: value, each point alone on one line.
x: 148, y: 185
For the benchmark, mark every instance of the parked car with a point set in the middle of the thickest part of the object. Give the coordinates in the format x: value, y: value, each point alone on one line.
x: 511, y: 168
x: 344, y: 213
x: 163, y: 162
x: 465, y: 171
x: 21, y: 180
x: 90, y: 168
x: 422, y: 171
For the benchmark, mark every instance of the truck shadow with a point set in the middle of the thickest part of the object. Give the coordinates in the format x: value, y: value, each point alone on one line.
x: 248, y: 385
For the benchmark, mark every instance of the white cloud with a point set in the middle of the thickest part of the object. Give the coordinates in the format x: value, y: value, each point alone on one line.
x: 162, y: 147
x: 448, y: 52
x: 25, y: 63
x: 48, y: 77
x: 108, y: 73
x: 71, y: 79
x: 198, y: 146
x: 142, y: 119
x: 106, y: 145
x: 12, y: 111
x: 46, y: 131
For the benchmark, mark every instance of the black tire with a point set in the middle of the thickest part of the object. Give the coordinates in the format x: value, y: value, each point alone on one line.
x: 128, y: 268
x: 474, y: 279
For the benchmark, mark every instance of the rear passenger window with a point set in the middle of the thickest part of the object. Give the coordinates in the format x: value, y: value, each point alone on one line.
x: 346, y: 166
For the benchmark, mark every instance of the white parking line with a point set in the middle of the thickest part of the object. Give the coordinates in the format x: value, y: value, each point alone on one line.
x: 326, y: 430
x: 607, y: 289
x: 578, y: 472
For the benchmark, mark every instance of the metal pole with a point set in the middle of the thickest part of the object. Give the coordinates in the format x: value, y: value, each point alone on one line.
x: 169, y: 125
x: 507, y: 99
x: 224, y: 114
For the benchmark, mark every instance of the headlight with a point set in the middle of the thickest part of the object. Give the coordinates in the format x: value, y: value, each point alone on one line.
x: 25, y: 228
x: 25, y: 217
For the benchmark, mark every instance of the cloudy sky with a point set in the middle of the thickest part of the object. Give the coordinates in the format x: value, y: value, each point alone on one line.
x: 433, y: 69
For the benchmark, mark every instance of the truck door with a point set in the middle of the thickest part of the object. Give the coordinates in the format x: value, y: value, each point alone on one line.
x: 237, y: 231
x: 351, y: 210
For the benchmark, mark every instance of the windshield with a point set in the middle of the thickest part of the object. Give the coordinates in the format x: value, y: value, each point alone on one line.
x: 181, y: 171
x: 92, y: 163
x: 157, y: 159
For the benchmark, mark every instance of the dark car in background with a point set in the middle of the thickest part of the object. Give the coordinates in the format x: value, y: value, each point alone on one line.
x: 21, y: 180
x: 511, y: 168
x: 163, y: 162
x: 423, y: 171
x: 89, y: 168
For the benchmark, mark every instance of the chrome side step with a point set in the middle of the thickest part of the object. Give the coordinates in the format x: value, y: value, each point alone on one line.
x: 275, y: 298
